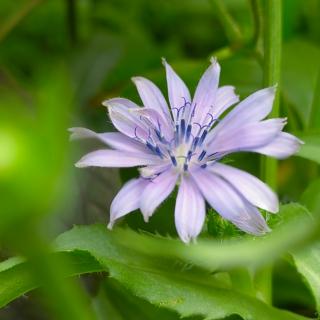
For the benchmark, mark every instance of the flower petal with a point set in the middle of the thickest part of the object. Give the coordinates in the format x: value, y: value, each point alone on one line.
x: 190, y: 210
x: 245, y: 137
x: 127, y: 199
x: 125, y: 121
x: 115, y: 140
x: 178, y: 92
x: 152, y: 97
x: 226, y: 97
x: 229, y: 203
x: 117, y: 159
x: 156, y: 192
x: 252, y: 109
x: 151, y: 118
x: 282, y: 146
x: 250, y: 187
x: 206, y: 92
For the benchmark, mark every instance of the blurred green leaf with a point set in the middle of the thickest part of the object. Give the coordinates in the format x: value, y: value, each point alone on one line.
x: 300, y: 64
x: 307, y: 262
x: 16, y: 278
x: 311, y: 148
x: 160, y: 281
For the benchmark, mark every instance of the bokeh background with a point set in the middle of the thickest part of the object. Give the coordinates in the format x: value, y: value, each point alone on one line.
x: 59, y: 59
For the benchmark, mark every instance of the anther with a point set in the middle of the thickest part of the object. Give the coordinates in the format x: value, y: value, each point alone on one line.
x: 202, y: 154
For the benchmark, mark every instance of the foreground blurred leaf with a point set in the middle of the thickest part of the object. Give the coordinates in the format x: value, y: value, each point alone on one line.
x: 150, y: 268
x: 158, y: 280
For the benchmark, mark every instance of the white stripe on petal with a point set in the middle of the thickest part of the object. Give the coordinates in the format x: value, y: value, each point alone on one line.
x: 115, y: 158
x: 246, y: 137
x: 189, y: 211
x: 250, y: 187
x: 229, y: 203
x: 156, y: 192
x: 282, y: 146
x: 115, y: 140
x: 206, y: 92
x: 152, y: 97
x: 127, y: 199
x: 178, y: 92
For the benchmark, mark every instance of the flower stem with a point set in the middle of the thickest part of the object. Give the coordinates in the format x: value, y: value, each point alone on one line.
x: 272, y: 28
x: 272, y: 60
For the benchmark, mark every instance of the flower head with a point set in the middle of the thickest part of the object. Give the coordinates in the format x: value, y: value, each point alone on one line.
x: 184, y: 144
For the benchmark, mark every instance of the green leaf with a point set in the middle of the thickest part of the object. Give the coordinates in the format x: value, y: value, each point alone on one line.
x: 155, y: 269
x: 311, y: 148
x: 299, y: 71
x: 307, y: 262
x: 16, y: 279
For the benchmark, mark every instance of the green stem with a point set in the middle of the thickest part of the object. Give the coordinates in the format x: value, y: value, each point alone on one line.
x: 263, y: 284
x: 242, y: 281
x: 230, y: 26
x: 272, y: 60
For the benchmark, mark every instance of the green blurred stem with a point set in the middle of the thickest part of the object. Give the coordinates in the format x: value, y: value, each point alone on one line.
x: 263, y: 284
x: 272, y: 28
x: 257, y: 14
x: 314, y: 119
x: 15, y: 19
x: 230, y: 26
x: 242, y: 281
x: 72, y: 20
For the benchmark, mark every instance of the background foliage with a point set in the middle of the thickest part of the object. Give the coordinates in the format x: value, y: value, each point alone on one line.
x: 58, y: 60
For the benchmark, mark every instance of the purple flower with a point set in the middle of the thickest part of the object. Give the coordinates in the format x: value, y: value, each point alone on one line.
x: 183, y: 145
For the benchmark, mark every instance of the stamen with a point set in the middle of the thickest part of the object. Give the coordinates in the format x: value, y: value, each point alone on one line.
x: 203, y: 136
x: 173, y: 160
x: 183, y: 127
x: 185, y: 166
x: 202, y: 154
x: 189, y: 128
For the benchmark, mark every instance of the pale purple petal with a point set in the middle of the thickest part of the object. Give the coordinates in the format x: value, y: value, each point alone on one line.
x: 156, y: 192
x: 250, y: 187
x: 123, y: 119
x: 226, y: 97
x: 178, y: 92
x: 190, y: 210
x: 152, y: 97
x: 229, y: 203
x: 115, y: 158
x: 154, y: 120
x: 282, y: 146
x: 115, y: 140
x: 127, y: 199
x: 206, y: 92
x: 245, y: 137
x: 254, y: 108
